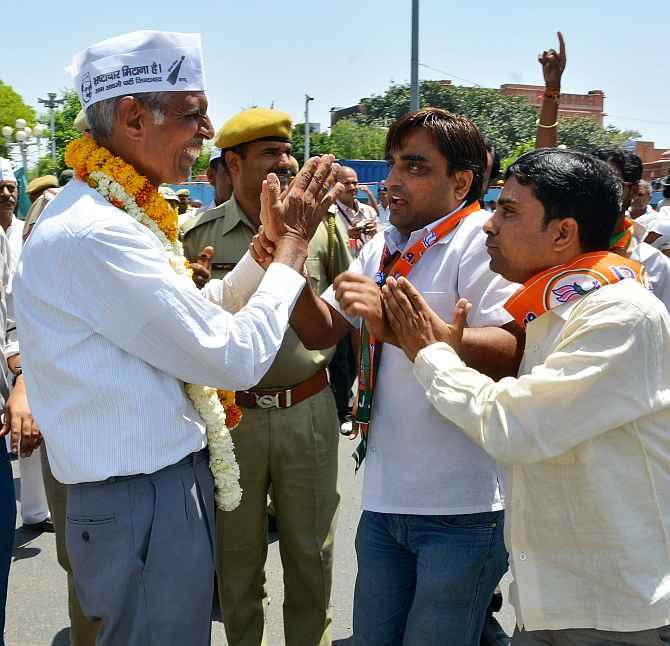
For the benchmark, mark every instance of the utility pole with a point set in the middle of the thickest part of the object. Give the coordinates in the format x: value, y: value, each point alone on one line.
x: 308, y: 98
x: 51, y: 103
x: 414, y: 103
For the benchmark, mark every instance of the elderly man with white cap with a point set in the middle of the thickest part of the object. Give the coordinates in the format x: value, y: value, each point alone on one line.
x: 120, y: 342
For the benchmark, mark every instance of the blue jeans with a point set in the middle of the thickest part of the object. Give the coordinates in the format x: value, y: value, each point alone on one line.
x: 7, y: 524
x: 426, y: 580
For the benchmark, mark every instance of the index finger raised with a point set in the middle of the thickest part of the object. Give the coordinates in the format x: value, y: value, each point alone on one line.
x: 561, y: 48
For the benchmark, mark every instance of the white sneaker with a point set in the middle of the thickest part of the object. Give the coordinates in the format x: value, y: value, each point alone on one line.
x: 346, y: 428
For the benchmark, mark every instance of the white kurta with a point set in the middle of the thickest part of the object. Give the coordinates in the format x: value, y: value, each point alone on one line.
x: 584, y: 432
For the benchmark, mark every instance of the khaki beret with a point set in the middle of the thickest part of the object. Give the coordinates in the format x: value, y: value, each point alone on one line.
x: 40, y: 184
x: 252, y: 125
x: 183, y: 191
x: 81, y: 122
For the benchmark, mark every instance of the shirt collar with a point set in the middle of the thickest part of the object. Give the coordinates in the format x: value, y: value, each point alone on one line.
x: 394, y: 239
x: 349, y: 210
x: 13, y: 223
x: 235, y: 216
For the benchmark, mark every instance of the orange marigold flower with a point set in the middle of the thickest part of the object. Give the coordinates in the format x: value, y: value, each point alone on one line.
x: 233, y: 416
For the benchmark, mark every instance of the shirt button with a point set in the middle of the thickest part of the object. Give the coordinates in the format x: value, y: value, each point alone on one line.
x: 535, y: 347
x: 85, y: 537
x: 523, y: 556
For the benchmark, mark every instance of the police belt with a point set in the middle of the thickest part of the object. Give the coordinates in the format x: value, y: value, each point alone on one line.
x: 282, y: 397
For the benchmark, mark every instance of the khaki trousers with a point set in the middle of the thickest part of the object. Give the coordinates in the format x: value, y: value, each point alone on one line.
x: 82, y: 631
x: 295, y: 450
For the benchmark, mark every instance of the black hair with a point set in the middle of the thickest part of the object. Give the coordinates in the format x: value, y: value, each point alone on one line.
x: 666, y: 191
x: 239, y: 149
x: 573, y: 185
x: 457, y: 138
x: 628, y: 163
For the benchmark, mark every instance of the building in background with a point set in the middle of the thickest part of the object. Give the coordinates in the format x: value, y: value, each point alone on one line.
x: 589, y: 106
x: 655, y: 161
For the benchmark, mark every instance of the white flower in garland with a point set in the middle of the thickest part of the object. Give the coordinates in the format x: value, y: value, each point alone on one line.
x: 222, y: 462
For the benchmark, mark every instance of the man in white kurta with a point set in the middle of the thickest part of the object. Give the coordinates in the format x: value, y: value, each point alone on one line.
x: 113, y: 335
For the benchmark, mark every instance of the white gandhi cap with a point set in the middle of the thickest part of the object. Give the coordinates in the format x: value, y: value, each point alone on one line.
x: 6, y: 172
x: 143, y: 61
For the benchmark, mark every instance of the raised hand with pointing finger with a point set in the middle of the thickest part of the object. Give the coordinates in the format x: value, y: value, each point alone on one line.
x: 553, y: 66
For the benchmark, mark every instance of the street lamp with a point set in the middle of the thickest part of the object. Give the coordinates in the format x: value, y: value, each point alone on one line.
x: 414, y: 82
x: 24, y: 136
x: 52, y: 103
x: 308, y: 98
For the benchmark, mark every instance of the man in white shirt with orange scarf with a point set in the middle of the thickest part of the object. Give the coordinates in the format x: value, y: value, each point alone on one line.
x: 583, y: 430
x: 429, y: 543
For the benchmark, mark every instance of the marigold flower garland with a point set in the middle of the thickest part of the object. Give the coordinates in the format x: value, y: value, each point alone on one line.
x: 119, y: 183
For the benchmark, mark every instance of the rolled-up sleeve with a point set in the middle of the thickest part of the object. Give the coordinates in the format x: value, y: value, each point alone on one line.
x: 127, y: 292
x: 608, y: 370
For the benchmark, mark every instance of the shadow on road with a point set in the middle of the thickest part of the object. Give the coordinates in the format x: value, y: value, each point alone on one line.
x: 22, y: 538
x: 61, y: 638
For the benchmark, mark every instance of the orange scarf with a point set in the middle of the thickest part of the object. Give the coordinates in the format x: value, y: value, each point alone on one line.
x: 622, y: 238
x: 371, y: 348
x: 565, y: 283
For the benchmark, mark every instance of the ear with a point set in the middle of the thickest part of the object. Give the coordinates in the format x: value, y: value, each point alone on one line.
x: 232, y: 162
x: 132, y: 118
x: 565, y: 234
x: 462, y: 183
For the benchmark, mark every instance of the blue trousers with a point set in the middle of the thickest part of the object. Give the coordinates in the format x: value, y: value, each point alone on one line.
x: 7, y: 525
x: 426, y: 580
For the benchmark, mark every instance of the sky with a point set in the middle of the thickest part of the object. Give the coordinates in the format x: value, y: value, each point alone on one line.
x: 338, y: 51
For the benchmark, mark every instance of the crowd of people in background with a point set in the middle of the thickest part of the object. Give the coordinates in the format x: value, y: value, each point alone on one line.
x: 502, y: 364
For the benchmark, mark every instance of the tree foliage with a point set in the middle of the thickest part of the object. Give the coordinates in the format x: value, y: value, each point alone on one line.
x: 587, y: 136
x: 65, y: 132
x: 12, y: 108
x: 348, y: 139
x: 202, y: 162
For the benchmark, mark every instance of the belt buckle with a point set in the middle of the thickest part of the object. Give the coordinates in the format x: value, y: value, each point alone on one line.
x: 267, y: 401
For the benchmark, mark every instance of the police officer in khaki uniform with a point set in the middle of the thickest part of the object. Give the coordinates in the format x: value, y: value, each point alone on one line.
x: 289, y: 432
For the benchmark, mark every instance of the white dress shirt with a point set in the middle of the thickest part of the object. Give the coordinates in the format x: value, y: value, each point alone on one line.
x: 15, y: 237
x: 417, y: 462
x: 110, y: 333
x: 584, y: 432
x: 657, y: 265
x: 647, y: 217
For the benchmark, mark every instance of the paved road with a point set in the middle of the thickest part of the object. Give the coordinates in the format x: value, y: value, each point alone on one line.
x: 37, y: 603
